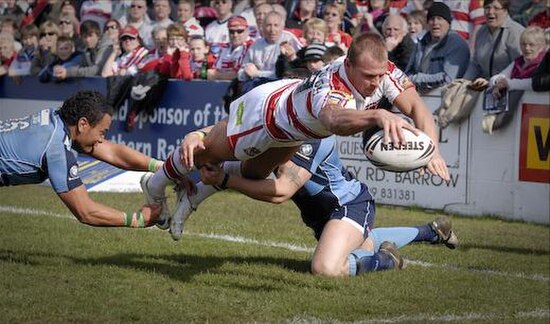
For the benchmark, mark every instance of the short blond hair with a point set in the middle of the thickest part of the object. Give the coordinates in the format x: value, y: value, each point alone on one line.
x: 534, y: 34
x: 316, y: 24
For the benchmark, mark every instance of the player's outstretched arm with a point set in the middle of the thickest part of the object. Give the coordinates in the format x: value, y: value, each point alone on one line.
x: 124, y: 157
x: 410, y: 104
x: 92, y: 213
x: 345, y: 122
x: 290, y: 178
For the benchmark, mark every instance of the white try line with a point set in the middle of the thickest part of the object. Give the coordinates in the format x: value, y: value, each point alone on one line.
x: 283, y: 245
x: 437, y: 318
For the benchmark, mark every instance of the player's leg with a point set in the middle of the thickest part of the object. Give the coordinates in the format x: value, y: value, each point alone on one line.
x: 438, y: 231
x: 342, y: 249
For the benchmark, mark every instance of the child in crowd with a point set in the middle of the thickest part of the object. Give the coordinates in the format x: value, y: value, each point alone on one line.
x: 417, y: 24
x: 9, y: 26
x: 65, y: 56
x: 21, y: 65
x: 201, y: 60
x: 313, y: 57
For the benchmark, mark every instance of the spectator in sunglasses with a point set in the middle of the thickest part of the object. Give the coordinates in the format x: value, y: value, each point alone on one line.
x: 47, y: 42
x: 216, y: 32
x: 232, y: 55
x: 69, y: 26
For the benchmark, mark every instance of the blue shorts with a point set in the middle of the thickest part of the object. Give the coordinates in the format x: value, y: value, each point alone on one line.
x: 359, y: 212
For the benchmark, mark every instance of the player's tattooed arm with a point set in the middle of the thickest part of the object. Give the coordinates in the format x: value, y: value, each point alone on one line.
x: 293, y: 176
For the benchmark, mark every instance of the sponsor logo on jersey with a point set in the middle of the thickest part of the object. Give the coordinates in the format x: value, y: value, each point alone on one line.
x: 340, y: 98
x: 73, y: 173
x: 240, y: 111
x: 252, y: 151
x: 306, y: 149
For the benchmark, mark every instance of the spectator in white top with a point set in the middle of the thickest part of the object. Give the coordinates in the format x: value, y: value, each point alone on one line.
x: 232, y: 55
x: 96, y: 10
x: 185, y: 11
x: 216, y: 32
x: 260, y: 11
x: 162, y: 12
x: 262, y: 55
x: 137, y: 17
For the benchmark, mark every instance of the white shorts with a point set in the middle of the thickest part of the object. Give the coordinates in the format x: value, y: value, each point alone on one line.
x: 250, y: 130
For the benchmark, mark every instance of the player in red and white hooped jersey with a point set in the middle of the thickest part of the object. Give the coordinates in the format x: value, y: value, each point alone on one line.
x: 294, y: 110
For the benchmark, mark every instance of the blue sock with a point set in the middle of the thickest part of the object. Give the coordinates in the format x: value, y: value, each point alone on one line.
x: 425, y: 234
x: 401, y: 236
x: 362, y: 261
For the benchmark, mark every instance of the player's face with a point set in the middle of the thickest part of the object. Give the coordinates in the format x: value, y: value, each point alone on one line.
x: 365, y: 74
x: 89, y: 136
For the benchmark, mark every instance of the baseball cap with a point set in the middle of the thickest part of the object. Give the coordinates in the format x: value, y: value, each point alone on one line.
x: 129, y: 31
x: 314, y: 51
x: 237, y: 22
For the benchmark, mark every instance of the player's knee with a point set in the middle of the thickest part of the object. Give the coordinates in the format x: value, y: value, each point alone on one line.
x: 326, y: 268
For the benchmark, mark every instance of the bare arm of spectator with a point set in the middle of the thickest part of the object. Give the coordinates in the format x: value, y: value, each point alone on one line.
x: 108, y: 67
x: 214, y: 74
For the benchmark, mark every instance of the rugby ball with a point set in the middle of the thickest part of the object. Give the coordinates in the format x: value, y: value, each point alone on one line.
x: 415, y: 153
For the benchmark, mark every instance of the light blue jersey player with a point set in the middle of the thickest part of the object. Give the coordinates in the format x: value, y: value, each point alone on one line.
x: 43, y: 146
x: 36, y: 148
x: 338, y: 207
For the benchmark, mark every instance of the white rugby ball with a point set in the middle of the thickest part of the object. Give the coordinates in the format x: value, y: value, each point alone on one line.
x: 416, y: 152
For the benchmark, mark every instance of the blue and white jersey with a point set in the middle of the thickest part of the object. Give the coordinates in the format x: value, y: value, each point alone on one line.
x: 330, y: 186
x: 35, y: 148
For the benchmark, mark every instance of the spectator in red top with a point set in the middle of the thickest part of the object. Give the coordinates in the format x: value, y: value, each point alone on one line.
x: 334, y: 15
x: 179, y: 49
x: 232, y: 55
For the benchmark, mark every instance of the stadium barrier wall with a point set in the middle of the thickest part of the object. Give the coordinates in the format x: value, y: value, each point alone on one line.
x: 506, y: 174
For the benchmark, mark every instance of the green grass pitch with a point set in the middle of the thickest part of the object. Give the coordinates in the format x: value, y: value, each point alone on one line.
x: 243, y: 261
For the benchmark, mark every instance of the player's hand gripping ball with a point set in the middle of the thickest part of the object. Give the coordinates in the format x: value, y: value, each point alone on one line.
x: 415, y: 153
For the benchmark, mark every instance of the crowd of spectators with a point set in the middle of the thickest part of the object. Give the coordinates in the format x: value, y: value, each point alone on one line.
x: 434, y: 42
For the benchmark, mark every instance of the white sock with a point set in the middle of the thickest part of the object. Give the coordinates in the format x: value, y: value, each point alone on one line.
x: 171, y: 171
x: 205, y: 191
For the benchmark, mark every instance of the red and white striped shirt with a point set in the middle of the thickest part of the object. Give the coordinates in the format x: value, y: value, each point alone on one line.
x: 292, y: 110
x: 467, y: 14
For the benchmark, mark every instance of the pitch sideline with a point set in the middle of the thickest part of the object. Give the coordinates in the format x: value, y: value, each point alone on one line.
x: 283, y: 245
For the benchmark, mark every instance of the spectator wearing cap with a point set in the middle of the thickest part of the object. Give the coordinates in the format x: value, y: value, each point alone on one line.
x: 133, y: 58
x: 441, y: 55
x: 313, y: 56
x: 185, y: 11
x: 232, y: 54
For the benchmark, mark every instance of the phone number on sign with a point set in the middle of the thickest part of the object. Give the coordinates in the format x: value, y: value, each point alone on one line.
x: 390, y: 193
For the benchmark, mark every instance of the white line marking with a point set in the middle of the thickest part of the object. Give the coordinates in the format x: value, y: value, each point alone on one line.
x: 438, y: 318
x: 283, y: 245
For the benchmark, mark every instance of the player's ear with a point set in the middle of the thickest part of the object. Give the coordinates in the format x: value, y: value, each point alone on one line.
x: 82, y: 124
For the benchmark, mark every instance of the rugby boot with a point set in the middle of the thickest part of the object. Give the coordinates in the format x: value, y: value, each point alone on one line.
x: 390, y: 249
x: 443, y: 228
x: 184, y: 208
x: 163, y: 222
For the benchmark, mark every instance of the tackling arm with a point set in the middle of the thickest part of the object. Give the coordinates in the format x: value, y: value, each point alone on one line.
x: 92, y: 213
x: 289, y: 179
x: 124, y: 157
